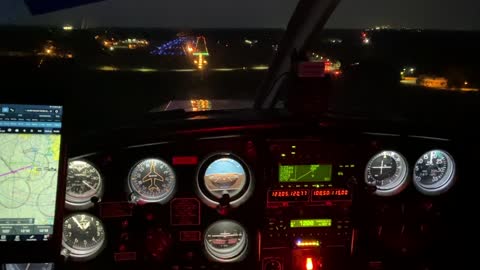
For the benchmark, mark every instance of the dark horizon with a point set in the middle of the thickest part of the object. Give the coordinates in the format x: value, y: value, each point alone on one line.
x: 425, y: 14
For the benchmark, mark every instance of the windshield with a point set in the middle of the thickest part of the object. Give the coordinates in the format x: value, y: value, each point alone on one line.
x: 406, y: 59
x: 144, y: 55
x: 139, y: 56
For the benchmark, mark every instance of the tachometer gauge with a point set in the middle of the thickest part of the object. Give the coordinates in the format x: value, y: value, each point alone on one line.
x: 388, y: 171
x: 152, y: 181
x: 83, y: 183
x: 83, y: 236
x: 224, y: 175
x: 225, y: 241
x: 434, y: 172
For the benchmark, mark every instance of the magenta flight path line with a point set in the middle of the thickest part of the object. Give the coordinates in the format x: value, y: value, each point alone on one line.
x: 15, y: 171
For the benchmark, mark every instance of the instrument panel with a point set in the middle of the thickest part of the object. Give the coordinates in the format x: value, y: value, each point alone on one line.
x: 263, y: 202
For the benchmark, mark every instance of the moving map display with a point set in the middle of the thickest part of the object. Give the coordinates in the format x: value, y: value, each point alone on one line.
x: 305, y: 173
x: 29, y: 165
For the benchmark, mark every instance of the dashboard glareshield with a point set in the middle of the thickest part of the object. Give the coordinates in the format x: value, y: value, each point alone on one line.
x: 224, y: 175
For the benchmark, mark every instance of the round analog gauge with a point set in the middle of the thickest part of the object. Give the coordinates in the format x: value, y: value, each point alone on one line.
x: 224, y: 175
x: 225, y: 241
x: 83, y: 236
x: 388, y: 171
x: 83, y: 183
x: 152, y: 180
x: 434, y: 172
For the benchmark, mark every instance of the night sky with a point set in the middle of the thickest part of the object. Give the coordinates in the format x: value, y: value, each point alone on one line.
x: 430, y: 14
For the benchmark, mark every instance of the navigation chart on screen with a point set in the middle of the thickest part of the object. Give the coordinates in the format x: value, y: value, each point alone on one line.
x: 28, y: 178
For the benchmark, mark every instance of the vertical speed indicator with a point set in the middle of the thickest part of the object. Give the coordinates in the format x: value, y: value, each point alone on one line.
x: 388, y: 172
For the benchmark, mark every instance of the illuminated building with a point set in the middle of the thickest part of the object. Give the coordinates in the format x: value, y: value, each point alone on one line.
x: 433, y: 82
x: 129, y: 43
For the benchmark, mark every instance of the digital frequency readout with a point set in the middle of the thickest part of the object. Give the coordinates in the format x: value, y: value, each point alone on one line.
x: 305, y: 173
x: 289, y: 195
x: 330, y: 194
x: 310, y: 223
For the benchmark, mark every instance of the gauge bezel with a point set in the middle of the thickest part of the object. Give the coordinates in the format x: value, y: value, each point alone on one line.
x: 216, y: 256
x: 207, y: 197
x: 83, y: 255
x: 15, y: 266
x: 444, y: 184
x: 399, y: 184
x: 71, y: 202
x: 137, y: 197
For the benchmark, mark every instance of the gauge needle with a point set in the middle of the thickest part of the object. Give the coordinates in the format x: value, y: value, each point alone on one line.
x: 431, y: 157
x: 381, y: 167
x: 87, y: 225
x: 88, y: 185
x: 78, y: 223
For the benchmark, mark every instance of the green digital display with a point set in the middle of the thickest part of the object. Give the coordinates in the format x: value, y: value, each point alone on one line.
x: 305, y: 173
x: 310, y: 223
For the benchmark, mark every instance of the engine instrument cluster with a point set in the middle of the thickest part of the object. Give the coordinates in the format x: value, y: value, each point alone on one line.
x: 433, y: 173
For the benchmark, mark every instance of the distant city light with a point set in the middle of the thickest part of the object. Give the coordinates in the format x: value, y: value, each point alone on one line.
x: 412, y: 69
x: 67, y: 28
x: 465, y: 83
x: 260, y: 67
x: 366, y: 41
x: 251, y: 42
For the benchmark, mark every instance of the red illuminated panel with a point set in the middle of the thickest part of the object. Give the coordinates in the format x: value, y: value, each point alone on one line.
x: 330, y: 194
x: 184, y: 211
x: 291, y: 195
x: 190, y: 236
x: 185, y: 160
